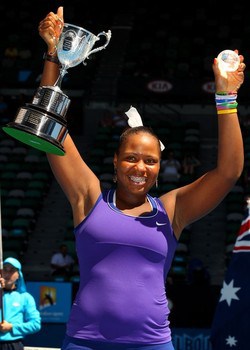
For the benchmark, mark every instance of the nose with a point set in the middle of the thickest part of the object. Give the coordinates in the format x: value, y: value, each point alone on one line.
x: 140, y: 165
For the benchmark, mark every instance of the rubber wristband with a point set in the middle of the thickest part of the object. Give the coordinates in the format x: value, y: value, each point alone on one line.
x: 50, y: 58
x: 226, y: 111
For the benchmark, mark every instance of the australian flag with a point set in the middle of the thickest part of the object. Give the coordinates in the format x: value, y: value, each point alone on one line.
x: 231, y: 324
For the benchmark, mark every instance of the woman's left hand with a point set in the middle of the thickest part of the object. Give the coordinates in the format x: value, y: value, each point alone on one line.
x: 229, y: 81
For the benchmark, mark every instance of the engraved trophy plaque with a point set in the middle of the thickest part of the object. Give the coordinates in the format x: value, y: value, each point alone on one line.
x: 42, y: 123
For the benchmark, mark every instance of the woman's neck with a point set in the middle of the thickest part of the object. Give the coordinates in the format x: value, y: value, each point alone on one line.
x: 129, y: 202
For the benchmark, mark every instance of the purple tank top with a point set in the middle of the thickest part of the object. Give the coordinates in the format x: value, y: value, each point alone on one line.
x: 123, y: 261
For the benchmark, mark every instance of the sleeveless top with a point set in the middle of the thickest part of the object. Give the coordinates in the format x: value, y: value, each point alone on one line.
x: 123, y: 263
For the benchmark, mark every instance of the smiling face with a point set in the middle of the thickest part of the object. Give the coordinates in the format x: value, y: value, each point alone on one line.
x: 137, y: 163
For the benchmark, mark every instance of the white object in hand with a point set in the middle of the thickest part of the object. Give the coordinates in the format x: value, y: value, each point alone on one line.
x: 228, y: 60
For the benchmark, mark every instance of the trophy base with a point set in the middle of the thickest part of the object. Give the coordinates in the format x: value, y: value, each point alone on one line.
x: 38, y: 130
x: 34, y: 141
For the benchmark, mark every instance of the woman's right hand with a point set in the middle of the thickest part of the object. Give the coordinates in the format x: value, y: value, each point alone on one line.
x: 50, y: 28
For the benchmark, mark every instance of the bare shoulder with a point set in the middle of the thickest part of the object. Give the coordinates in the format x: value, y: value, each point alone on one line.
x: 169, y: 201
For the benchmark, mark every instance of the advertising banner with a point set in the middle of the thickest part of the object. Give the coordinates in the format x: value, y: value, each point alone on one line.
x: 53, y: 300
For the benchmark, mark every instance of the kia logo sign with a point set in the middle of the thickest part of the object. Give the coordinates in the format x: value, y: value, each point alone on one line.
x: 209, y: 87
x: 159, y: 86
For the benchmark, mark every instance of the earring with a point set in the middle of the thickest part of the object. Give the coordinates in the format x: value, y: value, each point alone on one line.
x: 115, y: 176
x: 156, y: 183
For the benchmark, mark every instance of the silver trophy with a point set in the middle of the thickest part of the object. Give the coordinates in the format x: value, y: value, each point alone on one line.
x: 42, y: 123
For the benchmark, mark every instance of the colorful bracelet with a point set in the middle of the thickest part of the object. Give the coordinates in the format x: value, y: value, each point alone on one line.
x: 50, y: 58
x: 223, y: 93
x: 229, y: 97
x: 226, y: 102
x: 227, y: 105
x: 227, y: 111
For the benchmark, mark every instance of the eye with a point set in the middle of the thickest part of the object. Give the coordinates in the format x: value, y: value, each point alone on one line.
x: 131, y: 158
x: 151, y: 161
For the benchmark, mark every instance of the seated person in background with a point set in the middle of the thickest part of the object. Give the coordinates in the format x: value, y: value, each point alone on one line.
x: 189, y: 163
x: 62, y: 263
x: 170, y: 168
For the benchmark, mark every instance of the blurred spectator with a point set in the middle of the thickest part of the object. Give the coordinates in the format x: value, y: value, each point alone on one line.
x: 171, y: 168
x: 190, y: 163
x: 10, y: 55
x: 11, y: 51
x: 62, y: 262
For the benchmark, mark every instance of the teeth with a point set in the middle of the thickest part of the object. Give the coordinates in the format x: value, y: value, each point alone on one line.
x: 137, y: 179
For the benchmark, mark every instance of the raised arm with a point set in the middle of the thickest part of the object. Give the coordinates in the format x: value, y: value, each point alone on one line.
x: 76, y: 179
x: 189, y: 203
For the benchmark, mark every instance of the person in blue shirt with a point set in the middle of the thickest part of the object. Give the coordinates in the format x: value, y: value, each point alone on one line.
x: 20, y: 314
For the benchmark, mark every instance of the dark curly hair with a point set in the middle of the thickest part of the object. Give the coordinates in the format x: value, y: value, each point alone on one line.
x: 133, y: 131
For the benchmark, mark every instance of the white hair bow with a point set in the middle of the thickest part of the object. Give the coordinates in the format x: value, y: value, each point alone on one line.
x: 134, y: 119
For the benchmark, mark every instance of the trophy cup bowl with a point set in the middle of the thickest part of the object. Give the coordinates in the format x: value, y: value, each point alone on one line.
x: 42, y: 123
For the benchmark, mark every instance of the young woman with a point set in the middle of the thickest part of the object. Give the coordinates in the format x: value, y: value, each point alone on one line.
x: 125, y: 239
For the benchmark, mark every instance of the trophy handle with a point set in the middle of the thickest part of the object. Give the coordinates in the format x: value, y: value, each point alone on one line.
x: 107, y: 36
